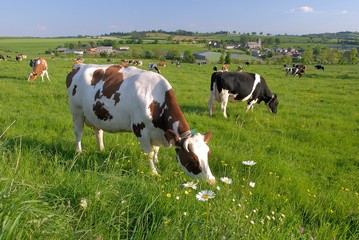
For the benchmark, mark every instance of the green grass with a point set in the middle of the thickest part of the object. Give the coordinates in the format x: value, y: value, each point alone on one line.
x: 306, y: 176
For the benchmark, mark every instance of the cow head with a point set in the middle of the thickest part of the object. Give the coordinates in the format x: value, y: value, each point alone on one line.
x: 32, y: 76
x: 192, y: 154
x: 272, y: 104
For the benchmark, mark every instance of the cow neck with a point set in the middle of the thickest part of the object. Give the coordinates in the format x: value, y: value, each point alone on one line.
x: 175, y: 115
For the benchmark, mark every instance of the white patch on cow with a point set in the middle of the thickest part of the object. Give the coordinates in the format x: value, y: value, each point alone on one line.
x: 175, y: 126
x: 256, y: 81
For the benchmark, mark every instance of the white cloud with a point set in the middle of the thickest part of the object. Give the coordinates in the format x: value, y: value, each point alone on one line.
x: 343, y: 12
x: 304, y: 9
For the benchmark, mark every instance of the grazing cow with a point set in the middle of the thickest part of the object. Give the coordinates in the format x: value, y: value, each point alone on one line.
x: 20, y: 57
x: 162, y: 64
x: 39, y: 67
x: 248, y: 87
x: 225, y: 68
x: 137, y: 63
x: 247, y: 64
x: 296, y: 70
x: 319, y: 67
x: 2, y: 57
x: 77, y: 61
x: 153, y: 66
x: 239, y: 69
x: 114, y: 98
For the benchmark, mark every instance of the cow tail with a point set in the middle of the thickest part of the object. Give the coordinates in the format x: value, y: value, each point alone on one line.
x: 213, y: 80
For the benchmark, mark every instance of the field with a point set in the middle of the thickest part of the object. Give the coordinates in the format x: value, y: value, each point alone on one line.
x: 304, y: 184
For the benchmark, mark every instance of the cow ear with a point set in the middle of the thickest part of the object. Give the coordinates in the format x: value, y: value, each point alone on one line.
x: 173, y: 138
x: 207, y: 136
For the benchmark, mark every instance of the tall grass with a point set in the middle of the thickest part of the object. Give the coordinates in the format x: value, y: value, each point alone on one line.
x: 305, y: 180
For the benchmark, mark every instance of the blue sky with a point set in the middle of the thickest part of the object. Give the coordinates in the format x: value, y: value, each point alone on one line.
x: 51, y: 18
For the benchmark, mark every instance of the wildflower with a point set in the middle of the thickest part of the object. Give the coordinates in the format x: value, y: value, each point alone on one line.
x: 252, y: 222
x: 218, y: 188
x: 226, y: 180
x: 252, y: 184
x: 83, y: 203
x: 205, y: 195
x: 184, y: 213
x: 190, y: 185
x: 249, y: 163
x: 168, y: 195
x: 177, y: 197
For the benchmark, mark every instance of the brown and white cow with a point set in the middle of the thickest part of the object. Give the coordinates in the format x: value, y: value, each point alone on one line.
x: 114, y: 98
x: 39, y: 67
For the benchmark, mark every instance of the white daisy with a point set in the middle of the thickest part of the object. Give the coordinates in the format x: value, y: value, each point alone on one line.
x: 83, y: 203
x: 205, y: 195
x: 226, y: 180
x: 249, y: 163
x: 190, y: 185
x: 252, y: 184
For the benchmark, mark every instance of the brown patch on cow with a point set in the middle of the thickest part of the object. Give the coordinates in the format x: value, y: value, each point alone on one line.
x: 165, y: 115
x: 116, y: 97
x: 74, y: 90
x: 70, y: 76
x: 113, y: 80
x: 137, y: 129
x: 97, y: 76
x: 101, y: 112
x: 189, y: 160
x: 98, y: 95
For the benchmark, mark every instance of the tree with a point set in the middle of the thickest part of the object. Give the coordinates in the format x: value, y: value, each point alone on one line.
x: 188, y: 57
x: 353, y: 56
x: 221, y: 59
x: 244, y: 39
x: 228, y: 58
x: 307, y: 57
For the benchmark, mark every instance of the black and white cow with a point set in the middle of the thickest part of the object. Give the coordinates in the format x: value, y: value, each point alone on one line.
x: 319, y: 67
x: 296, y: 70
x: 249, y: 87
x: 153, y: 66
x: 114, y: 98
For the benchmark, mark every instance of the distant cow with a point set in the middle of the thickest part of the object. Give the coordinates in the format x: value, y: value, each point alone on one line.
x: 249, y: 87
x: 248, y: 63
x: 162, y: 64
x: 77, y: 61
x: 153, y: 66
x: 137, y: 63
x: 39, y: 67
x: 296, y: 70
x: 319, y: 67
x: 20, y: 57
x: 114, y: 98
x: 225, y: 68
x: 239, y: 69
x: 2, y: 57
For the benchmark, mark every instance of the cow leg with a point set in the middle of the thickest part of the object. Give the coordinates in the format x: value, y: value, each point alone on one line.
x: 224, y: 100
x: 78, y: 122
x: 211, y: 101
x: 155, y: 151
x: 250, y: 105
x: 152, y: 151
x: 99, y: 138
x: 47, y: 75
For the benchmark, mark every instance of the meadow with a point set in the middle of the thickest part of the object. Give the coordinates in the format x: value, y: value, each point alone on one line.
x: 303, y: 185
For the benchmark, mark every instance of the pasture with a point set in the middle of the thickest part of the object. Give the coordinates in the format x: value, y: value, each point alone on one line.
x: 304, y: 184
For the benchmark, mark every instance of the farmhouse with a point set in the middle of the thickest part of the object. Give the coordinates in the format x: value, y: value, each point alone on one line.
x: 255, y: 45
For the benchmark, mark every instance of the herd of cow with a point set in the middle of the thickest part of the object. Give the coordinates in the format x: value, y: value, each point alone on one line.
x: 117, y: 98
